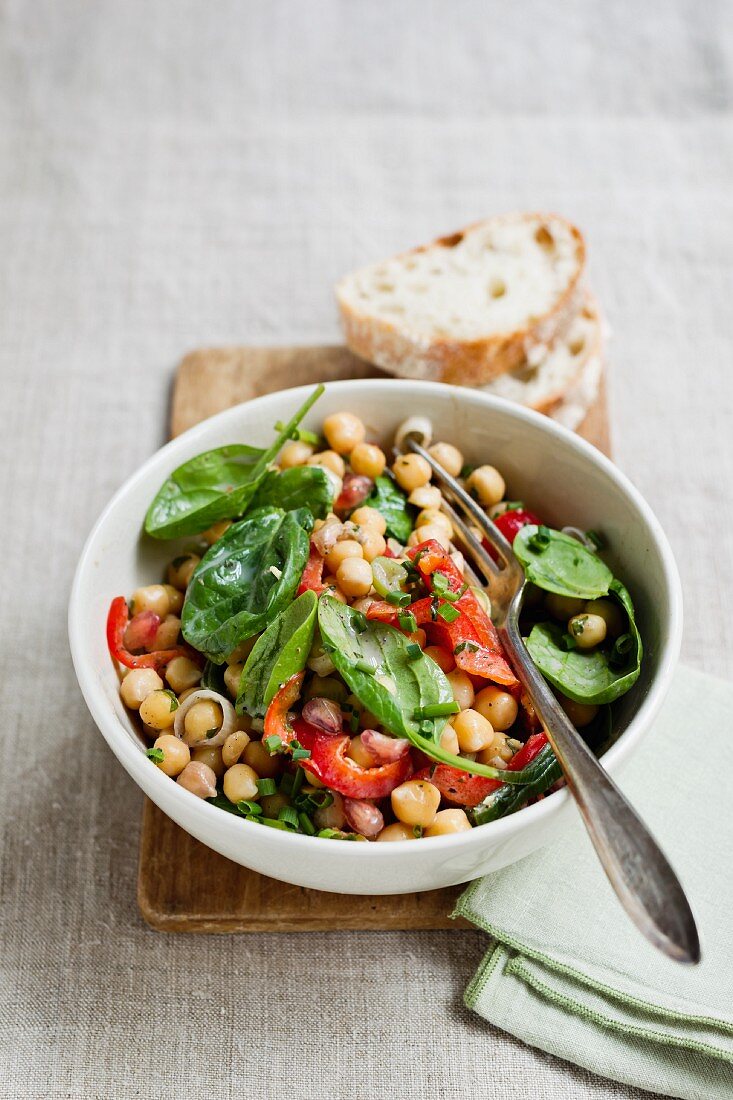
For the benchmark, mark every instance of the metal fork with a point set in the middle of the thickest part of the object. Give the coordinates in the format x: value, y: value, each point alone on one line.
x: 636, y: 867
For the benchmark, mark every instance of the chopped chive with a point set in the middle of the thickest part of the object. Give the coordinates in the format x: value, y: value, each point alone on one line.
x: 289, y: 815
x: 413, y: 651
x: 156, y: 755
x: 174, y: 700
x: 322, y: 799
x: 447, y: 613
x: 363, y: 666
x: 407, y: 622
x: 417, y: 831
x: 427, y: 727
x: 301, y: 754
x: 463, y: 647
x: 301, y: 434
x: 273, y: 744
x: 466, y: 471
x: 246, y: 807
x: 398, y: 599
x: 306, y: 825
x: 266, y: 786
x: 286, y: 783
x: 621, y: 649
x: 540, y: 540
x: 568, y: 642
x: 437, y: 710
x: 359, y: 620
x: 353, y: 721
x: 272, y: 823
x: 298, y: 777
x: 328, y: 834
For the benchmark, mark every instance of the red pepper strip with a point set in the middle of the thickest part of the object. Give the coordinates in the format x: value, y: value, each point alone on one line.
x: 329, y: 763
x: 117, y: 620
x: 313, y: 573
x: 384, y: 612
x: 276, y: 716
x: 464, y: 789
x: 474, y: 625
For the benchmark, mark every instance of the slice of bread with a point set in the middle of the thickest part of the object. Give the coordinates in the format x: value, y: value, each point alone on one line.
x: 469, y: 307
x: 553, y: 373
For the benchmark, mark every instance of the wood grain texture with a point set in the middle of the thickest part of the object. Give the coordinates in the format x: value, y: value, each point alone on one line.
x: 183, y: 886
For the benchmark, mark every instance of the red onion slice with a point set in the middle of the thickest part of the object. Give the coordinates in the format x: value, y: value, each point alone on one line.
x: 363, y: 817
x: 324, y: 714
x: 383, y: 748
x: 141, y: 630
x: 229, y: 716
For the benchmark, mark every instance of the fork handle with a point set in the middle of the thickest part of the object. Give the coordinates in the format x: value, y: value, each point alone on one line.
x: 636, y: 867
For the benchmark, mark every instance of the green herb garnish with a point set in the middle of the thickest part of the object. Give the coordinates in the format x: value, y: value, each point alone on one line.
x: 156, y: 755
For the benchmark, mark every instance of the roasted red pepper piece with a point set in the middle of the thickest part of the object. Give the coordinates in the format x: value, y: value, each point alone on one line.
x: 313, y: 573
x: 511, y: 523
x: 356, y: 488
x: 276, y: 716
x: 118, y: 618
x: 329, y: 763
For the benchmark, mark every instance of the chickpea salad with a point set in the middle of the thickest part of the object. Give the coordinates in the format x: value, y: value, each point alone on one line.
x: 320, y: 659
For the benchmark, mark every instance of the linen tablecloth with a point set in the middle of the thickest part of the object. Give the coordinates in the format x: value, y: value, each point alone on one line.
x: 178, y: 174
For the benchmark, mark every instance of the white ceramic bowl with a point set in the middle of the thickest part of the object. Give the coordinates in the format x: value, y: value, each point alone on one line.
x: 557, y: 474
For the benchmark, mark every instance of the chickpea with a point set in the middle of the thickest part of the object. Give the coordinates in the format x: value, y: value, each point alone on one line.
x: 240, y: 783
x: 498, y: 753
x: 442, y: 657
x: 610, y: 613
x: 411, y: 472
x: 486, y: 484
x: 211, y: 755
x: 258, y: 758
x: 358, y: 752
x: 213, y: 534
x: 348, y: 548
x: 397, y: 831
x: 563, y: 607
x: 580, y: 714
x: 343, y: 431
x: 354, y: 577
x: 272, y: 804
x: 201, y: 719
x: 449, y: 457
x: 232, y: 676
x: 369, y: 517
x: 175, y: 599
x: 167, y: 633
x: 233, y: 747
x: 331, y: 586
x: 313, y: 780
x: 462, y: 688
x: 587, y: 630
x: 432, y: 531
x: 330, y: 460
x: 151, y: 598
x: 499, y: 707
x: 373, y: 544
x: 158, y: 709
x: 182, y: 673
x: 367, y: 459
x: 331, y: 817
x: 420, y: 637
x: 449, y: 741
x: 180, y: 571
x: 448, y: 821
x: 175, y: 754
x: 185, y: 694
x: 431, y: 517
x: 474, y: 732
x: 199, y: 779
x: 295, y: 453
x: 137, y: 685
x: 416, y: 802
x: 426, y: 496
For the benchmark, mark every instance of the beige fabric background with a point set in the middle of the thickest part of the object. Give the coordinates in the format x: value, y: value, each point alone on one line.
x: 174, y: 174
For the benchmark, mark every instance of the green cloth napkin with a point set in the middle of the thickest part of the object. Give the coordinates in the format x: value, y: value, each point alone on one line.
x: 568, y: 972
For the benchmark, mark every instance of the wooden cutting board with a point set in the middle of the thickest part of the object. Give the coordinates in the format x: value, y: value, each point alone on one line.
x: 183, y: 886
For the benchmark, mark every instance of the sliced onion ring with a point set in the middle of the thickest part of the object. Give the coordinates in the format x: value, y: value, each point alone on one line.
x: 582, y: 538
x: 229, y: 717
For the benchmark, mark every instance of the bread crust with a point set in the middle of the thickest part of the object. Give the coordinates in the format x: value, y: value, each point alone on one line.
x: 461, y: 362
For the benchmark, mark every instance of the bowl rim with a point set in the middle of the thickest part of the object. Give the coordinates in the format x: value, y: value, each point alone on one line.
x: 152, y: 780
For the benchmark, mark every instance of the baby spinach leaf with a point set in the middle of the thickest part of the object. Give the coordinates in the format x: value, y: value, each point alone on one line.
x: 373, y: 659
x: 245, y: 579
x: 374, y: 662
x: 216, y: 485
x: 278, y: 654
x: 587, y: 676
x: 388, y: 498
x: 563, y: 566
x: 299, y: 487
x: 212, y: 678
